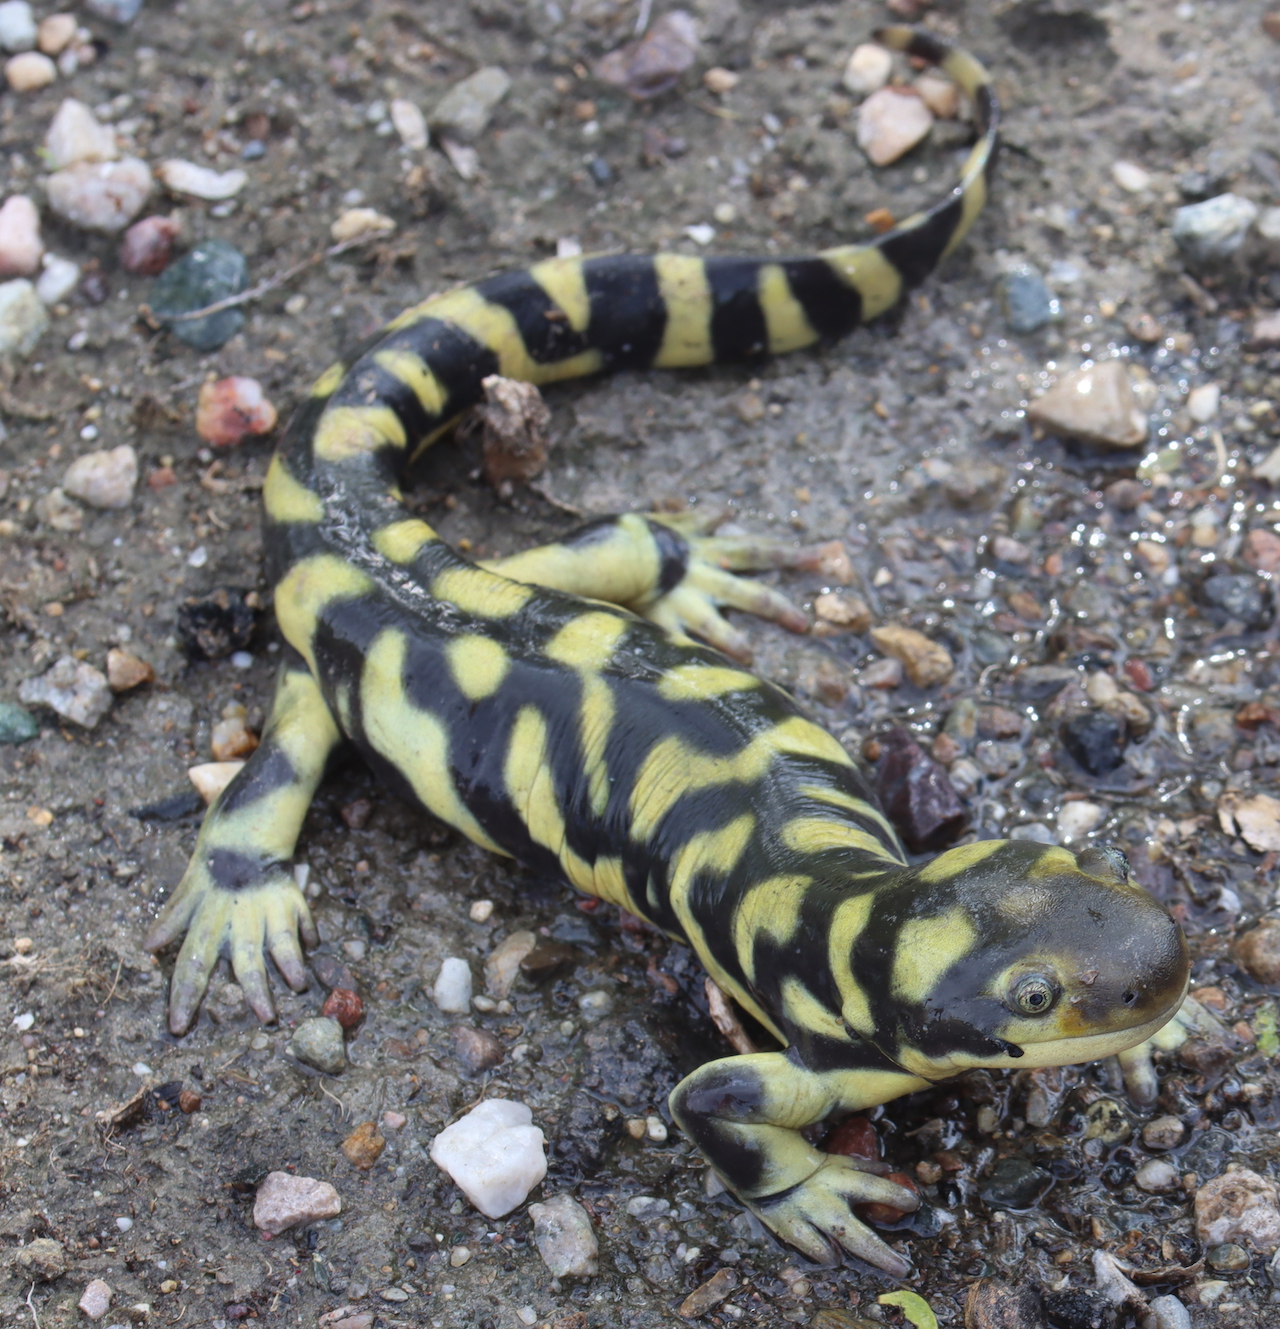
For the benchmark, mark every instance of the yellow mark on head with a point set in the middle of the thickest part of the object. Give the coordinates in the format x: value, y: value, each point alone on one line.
x: 867, y: 270
x: 695, y: 682
x: 327, y: 384
x: 847, y: 924
x: 565, y: 284
x: 402, y: 541
x: 414, y: 372
x: 478, y: 665
x: 788, y: 325
x: 346, y: 432
x: 958, y: 860
x: 686, y: 340
x: 588, y: 640
x: 287, y: 499
x: 307, y: 589
x: 927, y: 948
x: 479, y: 593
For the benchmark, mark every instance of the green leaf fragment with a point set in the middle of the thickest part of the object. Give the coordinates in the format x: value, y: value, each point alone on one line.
x: 1264, y: 1026
x: 914, y: 1307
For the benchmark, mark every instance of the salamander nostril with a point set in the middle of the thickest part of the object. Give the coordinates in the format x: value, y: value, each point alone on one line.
x: 1129, y: 998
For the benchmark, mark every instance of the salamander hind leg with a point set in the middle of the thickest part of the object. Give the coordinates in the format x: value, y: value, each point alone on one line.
x: 670, y: 569
x: 239, y: 895
x: 745, y: 1115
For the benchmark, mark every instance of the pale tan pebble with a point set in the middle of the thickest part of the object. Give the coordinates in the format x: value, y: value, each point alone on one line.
x: 103, y: 479
x: 20, y: 245
x: 285, y: 1201
x: 1152, y: 556
x: 95, y: 1300
x: 100, y: 196
x: 1256, y: 820
x: 1130, y: 177
x: 55, y: 33
x: 212, y: 777
x: 355, y: 222
x: 409, y: 123
x: 1203, y: 401
x: 843, y: 610
x: 719, y: 81
x: 184, y: 177
x: 126, y: 671
x: 231, y: 739
x: 30, y: 71
x: 481, y: 911
x: 503, y: 962
x: 59, y: 512
x: 940, y: 95
x: 1098, y: 405
x: 75, y: 134
x: 867, y: 69
x: 1238, y: 1206
x: 885, y: 674
x: 891, y: 122
x: 1077, y: 819
x: 1266, y: 330
x: 926, y: 661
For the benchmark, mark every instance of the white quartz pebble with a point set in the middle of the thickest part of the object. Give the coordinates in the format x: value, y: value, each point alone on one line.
x: 1130, y: 176
x: 17, y: 26
x: 891, y: 122
x: 409, y: 123
x: 184, y: 177
x: 1077, y: 819
x: 452, y: 991
x: 495, y: 1154
x: 76, y: 135
x: 100, y: 196
x: 868, y: 69
x: 1202, y: 402
x: 103, y: 479
x: 20, y: 243
x: 58, y: 279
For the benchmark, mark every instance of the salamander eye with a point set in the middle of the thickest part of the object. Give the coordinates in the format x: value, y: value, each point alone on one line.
x: 1034, y: 995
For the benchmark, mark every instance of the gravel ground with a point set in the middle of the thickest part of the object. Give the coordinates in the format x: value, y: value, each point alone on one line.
x: 908, y: 441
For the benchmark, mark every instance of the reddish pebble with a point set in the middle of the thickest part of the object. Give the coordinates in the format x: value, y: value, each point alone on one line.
x: 1139, y: 674
x: 855, y: 1138
x: 344, y: 1006
x: 886, y: 1213
x: 189, y: 1101
x: 162, y: 477
x: 148, y: 245
x: 231, y: 409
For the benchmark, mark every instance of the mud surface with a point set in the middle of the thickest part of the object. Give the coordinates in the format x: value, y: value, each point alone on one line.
x: 907, y: 441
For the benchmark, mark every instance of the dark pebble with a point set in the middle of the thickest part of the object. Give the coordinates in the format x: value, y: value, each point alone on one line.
x: 170, y: 809
x: 1040, y: 682
x: 357, y: 813
x: 991, y: 647
x: 547, y: 959
x: 476, y: 1049
x: 992, y: 1304
x: 1205, y: 1058
x: 917, y: 794
x: 1096, y: 740
x: 998, y: 722
x: 1228, y: 1258
x: 212, y: 271
x: 1014, y: 1183
x: 215, y: 625
x: 1027, y: 302
x: 601, y: 171
x: 17, y: 724
x: 1196, y: 186
x: 1039, y: 795
x: 333, y: 973
x: 94, y: 288
x: 1079, y: 1308
x: 1126, y: 494
x: 1239, y: 596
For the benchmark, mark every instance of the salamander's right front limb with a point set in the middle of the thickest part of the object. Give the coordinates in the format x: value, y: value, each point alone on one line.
x: 745, y: 1115
x: 238, y: 893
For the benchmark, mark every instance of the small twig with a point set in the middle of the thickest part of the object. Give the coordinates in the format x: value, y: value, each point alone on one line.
x: 272, y: 283
x: 642, y: 18
x: 548, y: 497
x: 720, y: 112
x: 31, y: 1307
x: 106, y: 1001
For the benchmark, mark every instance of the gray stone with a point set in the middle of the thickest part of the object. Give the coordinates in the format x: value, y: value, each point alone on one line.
x: 1165, y: 1132
x: 43, y: 1259
x: 72, y: 689
x: 564, y: 1237
x: 464, y: 111
x: 23, y: 318
x: 1027, y: 302
x: 1167, y: 1313
x: 1212, y: 231
x: 17, y: 26
x: 16, y: 724
x: 212, y: 271
x: 318, y: 1043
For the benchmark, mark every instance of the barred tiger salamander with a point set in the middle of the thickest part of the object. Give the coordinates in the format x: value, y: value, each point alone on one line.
x: 553, y: 707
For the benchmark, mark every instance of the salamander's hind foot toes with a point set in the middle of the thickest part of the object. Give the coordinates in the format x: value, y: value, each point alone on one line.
x: 268, y: 913
x: 817, y: 1215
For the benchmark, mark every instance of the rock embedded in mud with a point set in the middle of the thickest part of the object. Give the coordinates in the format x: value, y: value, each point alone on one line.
x: 564, y: 1236
x: 841, y: 611
x: 917, y: 794
x: 214, y: 270
x: 43, y: 1259
x: 285, y: 1201
x: 476, y: 1050
x: 1014, y: 1183
x: 95, y: 1300
x: 1096, y: 740
x: 1165, y: 1132
x: 653, y: 63
x: 452, y: 989
x: 992, y: 1304
x: 103, y: 479
x: 17, y: 725
x: 1239, y: 1207
x: 1157, y: 1175
x: 891, y: 122
x: 1027, y: 302
x: 23, y: 318
x: 364, y: 1146
x: 702, y: 1300
x: 72, y: 689
x: 100, y: 196
x: 345, y: 1006
x: 1096, y: 405
x: 926, y: 662
x: 503, y: 962
x: 1214, y: 230
x: 1259, y: 950
x: 463, y: 112
x: 76, y: 135
x: 495, y: 1155
x: 317, y: 1042
x: 1167, y: 1312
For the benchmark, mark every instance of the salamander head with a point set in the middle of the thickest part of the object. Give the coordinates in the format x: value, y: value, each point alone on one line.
x: 1010, y: 953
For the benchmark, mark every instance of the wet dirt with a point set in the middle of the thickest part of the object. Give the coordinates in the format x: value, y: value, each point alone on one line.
x: 908, y: 441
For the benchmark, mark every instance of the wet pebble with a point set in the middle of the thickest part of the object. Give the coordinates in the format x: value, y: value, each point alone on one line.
x: 317, y: 1042
x: 1240, y: 596
x: 1266, y: 332
x: 494, y: 1154
x: 72, y: 689
x: 704, y: 1299
x: 993, y: 1304
x: 212, y: 271
x: 285, y: 1201
x: 103, y: 479
x: 60, y: 276
x: 30, y: 71
x: 364, y: 1146
x: 883, y: 674
x: 55, y: 33
x: 1214, y: 230
x: 147, y: 247
x: 230, y: 738
x: 1157, y: 1175
x: 100, y: 196
x: 1238, y: 1207
x: 917, y: 794
x: 76, y: 135
x: 452, y: 989
x: 1228, y: 1258
x: 95, y: 1300
x: 1027, y: 302
x: 23, y: 318
x: 20, y: 244
x: 17, y: 725
x: 184, y: 177
x: 1097, y: 405
x: 868, y: 69
x: 1259, y: 949
x: 126, y: 671
x: 654, y: 63
x: 463, y: 112
x: 891, y: 122
x: 229, y: 410
x: 547, y: 959
x: 926, y: 661
x: 1165, y: 1132
x: 503, y: 963
x: 1014, y: 1183
x: 595, y: 1005
x: 1077, y: 819
x: 43, y: 1259
x: 1096, y: 740
x: 1261, y: 550
x: 476, y: 1050
x: 1167, y: 1312
x: 345, y: 1006
x: 564, y: 1236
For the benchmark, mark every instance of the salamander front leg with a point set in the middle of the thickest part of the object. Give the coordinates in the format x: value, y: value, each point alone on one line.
x: 238, y: 893
x: 669, y: 569
x: 745, y: 1115
x: 1137, y: 1065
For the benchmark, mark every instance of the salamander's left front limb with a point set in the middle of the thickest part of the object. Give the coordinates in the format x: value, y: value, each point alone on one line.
x: 238, y: 893
x: 745, y: 1114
